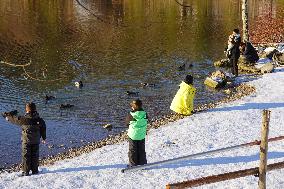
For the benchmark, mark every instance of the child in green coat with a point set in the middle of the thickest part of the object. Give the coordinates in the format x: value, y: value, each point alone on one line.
x: 137, y: 121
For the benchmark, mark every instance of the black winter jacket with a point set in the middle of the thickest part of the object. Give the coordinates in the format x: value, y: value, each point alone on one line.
x: 235, y: 51
x: 33, y: 127
x: 250, y: 53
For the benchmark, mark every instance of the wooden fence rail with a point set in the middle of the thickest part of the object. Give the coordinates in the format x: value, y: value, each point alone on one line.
x: 222, y: 177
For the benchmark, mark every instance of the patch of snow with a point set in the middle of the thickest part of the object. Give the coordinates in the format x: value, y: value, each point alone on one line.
x: 262, y: 61
x: 269, y: 49
x: 280, y: 48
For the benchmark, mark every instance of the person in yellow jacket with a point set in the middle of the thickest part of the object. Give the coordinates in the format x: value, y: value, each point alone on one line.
x: 183, y: 100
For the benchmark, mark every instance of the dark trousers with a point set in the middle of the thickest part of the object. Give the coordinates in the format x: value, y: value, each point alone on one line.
x: 30, y: 156
x: 137, y: 153
x: 234, y: 62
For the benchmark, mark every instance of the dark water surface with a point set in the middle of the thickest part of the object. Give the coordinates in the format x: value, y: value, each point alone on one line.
x: 130, y: 43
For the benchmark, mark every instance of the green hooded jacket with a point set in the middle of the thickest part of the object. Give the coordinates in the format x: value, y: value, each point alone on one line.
x: 138, y: 125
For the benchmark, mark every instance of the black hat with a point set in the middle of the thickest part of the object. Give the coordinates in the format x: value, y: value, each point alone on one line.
x: 31, y: 106
x: 136, y: 103
x: 236, y: 30
x: 188, y: 79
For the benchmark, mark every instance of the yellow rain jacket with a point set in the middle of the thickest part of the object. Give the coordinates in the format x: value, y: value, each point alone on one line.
x: 183, y: 100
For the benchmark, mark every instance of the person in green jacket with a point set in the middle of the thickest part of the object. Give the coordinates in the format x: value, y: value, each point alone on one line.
x: 183, y: 100
x: 137, y: 121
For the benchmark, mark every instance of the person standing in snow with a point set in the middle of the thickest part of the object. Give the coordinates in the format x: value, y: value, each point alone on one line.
x: 234, y: 48
x: 183, y: 100
x: 137, y: 121
x: 33, y: 128
x: 233, y: 38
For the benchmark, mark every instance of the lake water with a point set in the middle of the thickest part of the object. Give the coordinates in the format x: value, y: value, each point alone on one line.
x: 112, y: 47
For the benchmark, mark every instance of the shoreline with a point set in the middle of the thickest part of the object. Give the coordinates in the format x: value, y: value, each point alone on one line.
x: 238, y: 91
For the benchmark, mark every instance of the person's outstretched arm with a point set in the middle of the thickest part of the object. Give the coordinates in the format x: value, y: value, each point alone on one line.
x: 17, y: 120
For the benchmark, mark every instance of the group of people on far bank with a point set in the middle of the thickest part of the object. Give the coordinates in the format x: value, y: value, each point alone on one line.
x: 34, y: 128
x: 236, y: 47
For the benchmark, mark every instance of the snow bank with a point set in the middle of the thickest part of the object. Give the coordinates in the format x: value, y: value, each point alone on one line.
x: 262, y: 61
x: 230, y: 124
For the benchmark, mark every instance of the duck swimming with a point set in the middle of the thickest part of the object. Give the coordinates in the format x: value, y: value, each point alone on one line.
x: 108, y: 127
x: 148, y: 84
x: 181, y: 68
x: 66, y: 106
x: 47, y: 98
x: 132, y: 93
x: 79, y: 84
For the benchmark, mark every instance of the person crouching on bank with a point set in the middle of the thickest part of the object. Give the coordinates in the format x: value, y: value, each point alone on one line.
x: 183, y: 100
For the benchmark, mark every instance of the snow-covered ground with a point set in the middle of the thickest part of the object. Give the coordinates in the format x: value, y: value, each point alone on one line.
x: 230, y: 124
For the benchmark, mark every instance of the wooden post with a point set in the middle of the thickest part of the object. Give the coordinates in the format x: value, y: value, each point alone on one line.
x: 263, y: 149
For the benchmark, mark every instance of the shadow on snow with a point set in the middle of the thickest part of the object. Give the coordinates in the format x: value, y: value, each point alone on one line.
x: 219, y: 160
x: 91, y: 168
x: 248, y: 106
x: 186, y: 163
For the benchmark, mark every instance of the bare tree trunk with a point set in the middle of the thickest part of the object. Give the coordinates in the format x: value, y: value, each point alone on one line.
x: 245, y: 20
x: 184, y: 8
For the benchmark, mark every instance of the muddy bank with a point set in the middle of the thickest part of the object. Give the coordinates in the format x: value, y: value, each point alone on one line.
x: 237, y: 92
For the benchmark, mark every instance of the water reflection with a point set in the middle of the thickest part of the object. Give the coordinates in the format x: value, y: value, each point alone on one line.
x: 130, y: 43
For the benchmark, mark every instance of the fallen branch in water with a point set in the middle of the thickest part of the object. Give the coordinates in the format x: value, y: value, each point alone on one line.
x: 16, y: 65
x: 99, y: 18
x: 25, y: 72
x: 31, y: 77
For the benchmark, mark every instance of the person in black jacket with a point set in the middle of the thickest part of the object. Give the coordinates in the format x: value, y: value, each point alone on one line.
x: 235, y: 52
x: 249, y: 52
x: 33, y: 128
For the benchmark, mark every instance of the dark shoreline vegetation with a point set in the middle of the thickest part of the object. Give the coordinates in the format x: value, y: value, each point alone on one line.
x: 237, y: 92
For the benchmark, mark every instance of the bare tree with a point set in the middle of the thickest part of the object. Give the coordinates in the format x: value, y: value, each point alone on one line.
x: 245, y: 20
